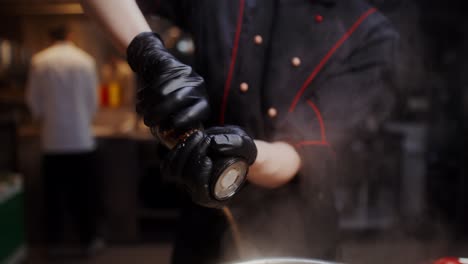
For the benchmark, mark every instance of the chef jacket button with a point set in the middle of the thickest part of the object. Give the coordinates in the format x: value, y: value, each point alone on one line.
x: 272, y: 112
x: 244, y: 87
x: 318, y: 18
x: 258, y: 39
x: 296, y: 61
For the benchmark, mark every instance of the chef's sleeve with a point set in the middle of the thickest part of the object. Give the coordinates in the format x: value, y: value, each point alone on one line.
x: 339, y: 104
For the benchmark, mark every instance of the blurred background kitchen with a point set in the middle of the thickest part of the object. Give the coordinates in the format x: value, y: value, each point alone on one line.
x: 410, y: 207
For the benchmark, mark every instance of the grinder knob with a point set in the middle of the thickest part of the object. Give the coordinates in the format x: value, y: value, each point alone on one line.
x: 228, y: 176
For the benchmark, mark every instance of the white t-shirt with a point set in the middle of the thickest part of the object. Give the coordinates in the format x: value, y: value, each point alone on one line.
x: 61, y: 93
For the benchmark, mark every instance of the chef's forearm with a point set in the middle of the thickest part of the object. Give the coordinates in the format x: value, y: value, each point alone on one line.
x: 276, y: 164
x: 121, y: 18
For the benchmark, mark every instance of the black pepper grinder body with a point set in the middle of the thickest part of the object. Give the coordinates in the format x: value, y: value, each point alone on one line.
x: 228, y: 175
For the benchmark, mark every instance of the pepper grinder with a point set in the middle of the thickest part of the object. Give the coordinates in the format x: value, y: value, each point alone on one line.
x: 229, y: 173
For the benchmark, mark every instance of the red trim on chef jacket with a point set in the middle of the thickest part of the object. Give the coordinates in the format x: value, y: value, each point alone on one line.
x: 323, y: 135
x: 323, y: 141
x: 327, y: 57
x: 227, y: 85
x: 320, y: 119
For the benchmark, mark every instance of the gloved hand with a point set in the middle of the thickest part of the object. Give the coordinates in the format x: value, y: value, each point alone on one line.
x: 170, y: 94
x: 192, y: 162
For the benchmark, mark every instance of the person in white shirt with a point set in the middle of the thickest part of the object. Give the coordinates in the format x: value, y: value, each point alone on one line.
x: 61, y: 94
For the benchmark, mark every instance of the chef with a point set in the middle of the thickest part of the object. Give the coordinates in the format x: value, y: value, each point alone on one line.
x: 284, y: 84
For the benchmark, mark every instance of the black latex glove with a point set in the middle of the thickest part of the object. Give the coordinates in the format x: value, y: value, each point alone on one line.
x: 170, y: 94
x: 192, y: 162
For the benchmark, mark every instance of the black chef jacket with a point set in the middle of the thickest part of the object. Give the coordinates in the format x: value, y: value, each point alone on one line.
x: 308, y: 72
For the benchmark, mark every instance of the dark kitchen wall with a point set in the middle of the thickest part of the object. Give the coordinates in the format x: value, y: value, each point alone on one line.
x: 433, y: 83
